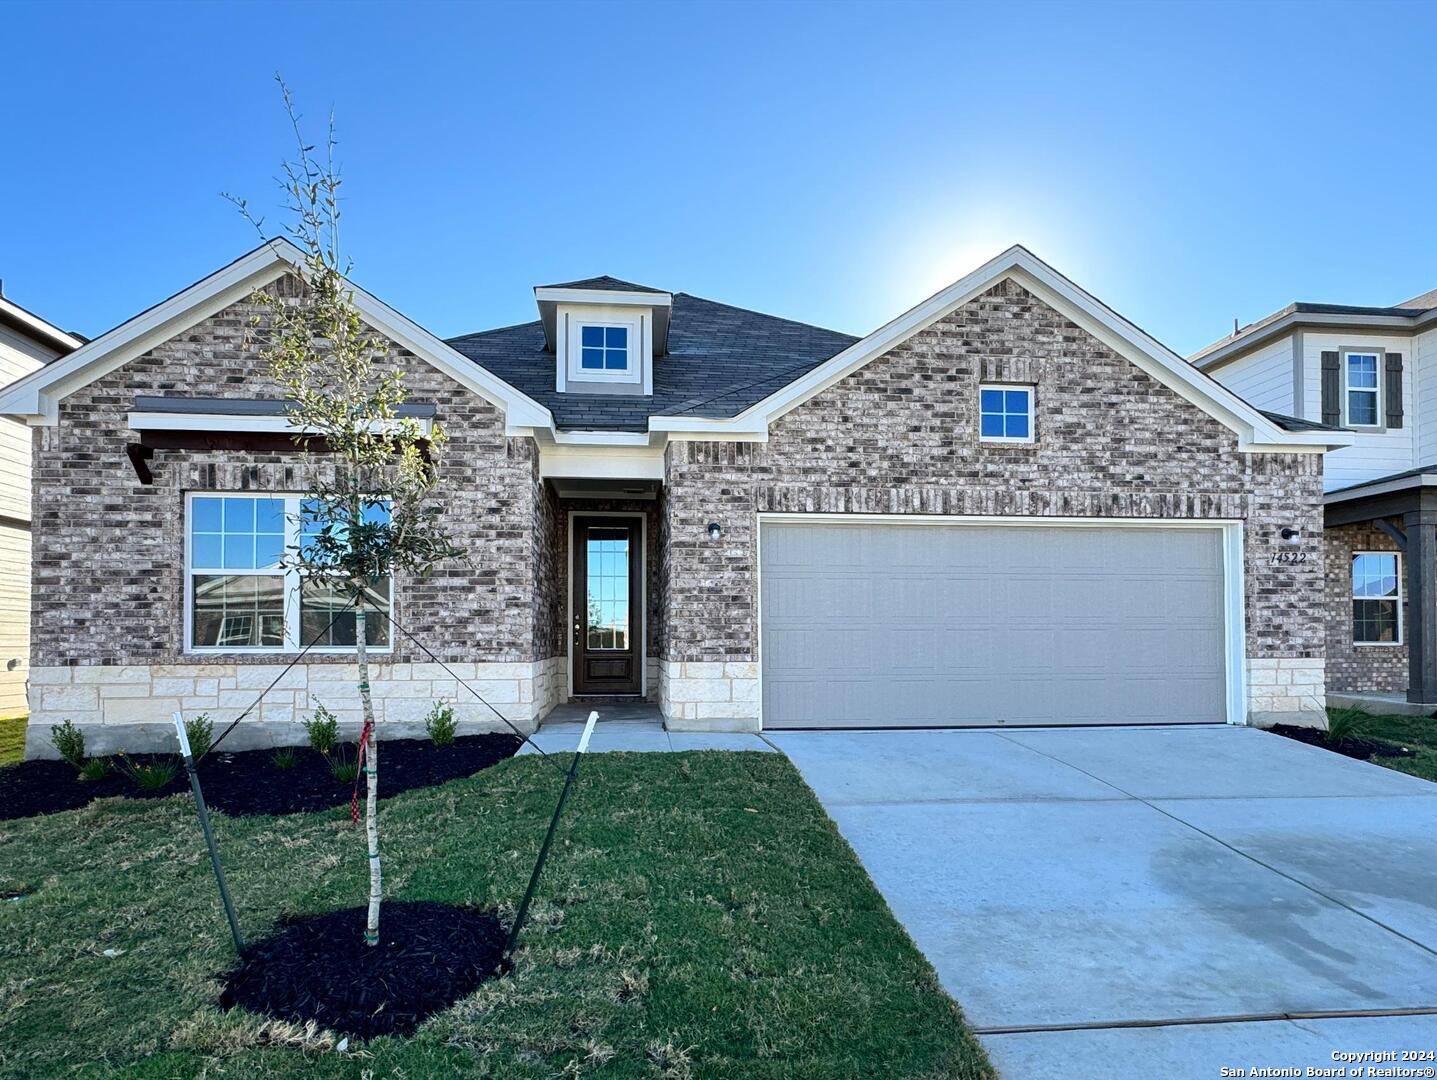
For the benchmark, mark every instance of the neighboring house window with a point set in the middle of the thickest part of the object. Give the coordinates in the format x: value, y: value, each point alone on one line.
x: 604, y: 348
x: 1005, y: 413
x: 1376, y: 598
x: 239, y: 597
x: 1362, y: 389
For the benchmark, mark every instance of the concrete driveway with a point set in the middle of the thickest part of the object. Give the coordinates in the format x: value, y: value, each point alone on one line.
x: 1068, y: 884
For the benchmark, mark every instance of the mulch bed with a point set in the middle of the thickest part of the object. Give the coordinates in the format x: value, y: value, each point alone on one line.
x: 1353, y: 746
x: 249, y: 782
x: 318, y: 968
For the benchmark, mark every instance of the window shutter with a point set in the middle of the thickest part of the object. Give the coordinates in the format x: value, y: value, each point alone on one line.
x: 1394, y: 389
x: 1331, y: 390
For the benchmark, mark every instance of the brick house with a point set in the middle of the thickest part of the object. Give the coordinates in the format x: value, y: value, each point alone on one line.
x: 1008, y: 505
x: 1373, y: 371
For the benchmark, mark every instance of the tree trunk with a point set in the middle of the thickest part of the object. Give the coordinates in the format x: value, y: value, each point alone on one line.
x: 371, y: 773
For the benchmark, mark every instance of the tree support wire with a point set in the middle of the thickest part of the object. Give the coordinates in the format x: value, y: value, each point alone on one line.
x: 275, y: 681
x: 569, y: 776
x: 507, y: 963
x: 450, y: 672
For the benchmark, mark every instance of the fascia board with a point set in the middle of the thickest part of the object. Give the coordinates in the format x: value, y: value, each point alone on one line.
x: 603, y: 296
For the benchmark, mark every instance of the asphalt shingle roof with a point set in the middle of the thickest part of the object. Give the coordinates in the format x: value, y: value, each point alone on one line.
x: 721, y: 360
x: 604, y: 284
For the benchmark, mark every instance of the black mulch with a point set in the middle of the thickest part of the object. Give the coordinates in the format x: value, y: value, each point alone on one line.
x: 428, y: 957
x: 1354, y: 746
x: 249, y: 782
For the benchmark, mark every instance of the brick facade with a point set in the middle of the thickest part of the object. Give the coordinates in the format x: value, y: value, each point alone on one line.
x: 1357, y: 668
x: 108, y: 561
x: 899, y: 436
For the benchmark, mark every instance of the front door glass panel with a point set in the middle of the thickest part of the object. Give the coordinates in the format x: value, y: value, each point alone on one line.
x: 607, y: 551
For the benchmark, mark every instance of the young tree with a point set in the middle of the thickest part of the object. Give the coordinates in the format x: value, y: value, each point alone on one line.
x: 368, y: 513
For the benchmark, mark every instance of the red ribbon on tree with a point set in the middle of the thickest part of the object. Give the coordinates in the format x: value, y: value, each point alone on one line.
x: 358, y: 772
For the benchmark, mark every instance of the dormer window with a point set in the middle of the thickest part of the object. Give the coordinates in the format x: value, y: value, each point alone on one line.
x: 604, y: 334
x: 603, y: 348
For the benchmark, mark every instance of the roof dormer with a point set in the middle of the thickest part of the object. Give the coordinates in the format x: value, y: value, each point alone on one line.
x: 604, y: 334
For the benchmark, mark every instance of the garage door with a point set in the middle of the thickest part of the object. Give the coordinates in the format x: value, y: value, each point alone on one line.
x: 894, y: 625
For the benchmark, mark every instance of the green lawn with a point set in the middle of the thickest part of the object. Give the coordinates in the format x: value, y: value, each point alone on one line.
x: 12, y: 739
x: 1417, y: 733
x: 699, y: 917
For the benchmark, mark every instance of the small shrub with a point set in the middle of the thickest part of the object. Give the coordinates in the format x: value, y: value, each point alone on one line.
x: 94, y: 769
x: 70, y: 742
x: 323, y: 731
x: 200, y: 730
x: 440, y: 724
x: 343, y: 767
x: 283, y: 758
x: 151, y: 776
x: 1344, y: 724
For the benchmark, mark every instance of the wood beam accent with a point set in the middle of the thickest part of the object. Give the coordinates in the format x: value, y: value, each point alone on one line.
x: 1395, y: 531
x: 241, y: 442
x: 1394, y: 504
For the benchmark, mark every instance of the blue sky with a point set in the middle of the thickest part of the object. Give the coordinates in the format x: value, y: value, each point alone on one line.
x: 834, y: 163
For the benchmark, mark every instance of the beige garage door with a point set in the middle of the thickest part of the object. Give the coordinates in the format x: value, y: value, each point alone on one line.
x: 926, y: 625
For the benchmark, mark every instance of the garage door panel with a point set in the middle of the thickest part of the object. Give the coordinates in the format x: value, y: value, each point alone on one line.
x: 912, y: 625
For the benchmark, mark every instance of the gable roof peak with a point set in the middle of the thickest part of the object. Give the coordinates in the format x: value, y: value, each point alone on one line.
x: 604, y: 283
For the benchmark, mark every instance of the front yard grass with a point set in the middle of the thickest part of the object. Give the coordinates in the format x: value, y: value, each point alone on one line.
x: 699, y: 917
x: 12, y: 739
x: 1417, y: 733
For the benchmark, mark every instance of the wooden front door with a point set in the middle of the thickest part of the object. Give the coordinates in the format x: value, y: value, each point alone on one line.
x: 608, y: 610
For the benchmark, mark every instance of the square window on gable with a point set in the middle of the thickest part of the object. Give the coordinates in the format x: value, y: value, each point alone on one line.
x: 1005, y: 413
x: 604, y: 348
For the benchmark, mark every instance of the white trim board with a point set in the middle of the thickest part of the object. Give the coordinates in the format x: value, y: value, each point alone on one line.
x: 141, y: 420
x: 37, y: 396
x: 1234, y: 573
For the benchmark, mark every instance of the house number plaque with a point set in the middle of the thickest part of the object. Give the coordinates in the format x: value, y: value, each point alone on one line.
x: 1287, y: 558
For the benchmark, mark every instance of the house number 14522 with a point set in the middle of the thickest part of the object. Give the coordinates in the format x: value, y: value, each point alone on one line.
x: 1287, y: 558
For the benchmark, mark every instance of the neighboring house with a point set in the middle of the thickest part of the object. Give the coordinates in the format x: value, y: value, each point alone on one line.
x: 27, y: 343
x: 1372, y: 370
x: 1007, y: 506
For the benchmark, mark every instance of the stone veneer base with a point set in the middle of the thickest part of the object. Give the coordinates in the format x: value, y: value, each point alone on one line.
x: 709, y: 696
x: 131, y: 707
x: 1286, y: 691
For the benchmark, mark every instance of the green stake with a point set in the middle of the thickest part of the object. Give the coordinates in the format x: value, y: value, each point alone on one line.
x: 209, y: 833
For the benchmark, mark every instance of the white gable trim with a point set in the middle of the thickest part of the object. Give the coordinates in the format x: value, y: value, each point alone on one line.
x: 1255, y: 432
x: 37, y: 397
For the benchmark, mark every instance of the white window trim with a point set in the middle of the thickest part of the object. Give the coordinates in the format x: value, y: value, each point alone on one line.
x: 292, y: 577
x: 1032, y: 413
x: 1375, y: 391
x: 630, y: 374
x: 1352, y: 595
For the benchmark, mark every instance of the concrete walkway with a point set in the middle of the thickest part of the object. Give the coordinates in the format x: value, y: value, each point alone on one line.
x: 1092, y: 878
x: 638, y: 727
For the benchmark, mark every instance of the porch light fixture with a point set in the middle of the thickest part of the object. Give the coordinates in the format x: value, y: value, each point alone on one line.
x: 715, y: 530
x: 1290, y: 535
